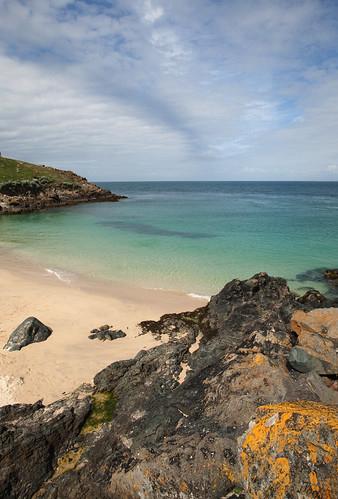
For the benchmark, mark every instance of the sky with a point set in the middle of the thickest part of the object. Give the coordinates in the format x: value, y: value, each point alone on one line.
x: 172, y: 89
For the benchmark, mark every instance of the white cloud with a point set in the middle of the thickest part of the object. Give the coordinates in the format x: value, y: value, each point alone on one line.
x: 155, y: 89
x: 152, y: 13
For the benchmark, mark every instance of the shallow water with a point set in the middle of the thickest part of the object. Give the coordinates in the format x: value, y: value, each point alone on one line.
x: 187, y: 236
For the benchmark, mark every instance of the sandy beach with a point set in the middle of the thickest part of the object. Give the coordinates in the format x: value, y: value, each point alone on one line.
x: 72, y: 308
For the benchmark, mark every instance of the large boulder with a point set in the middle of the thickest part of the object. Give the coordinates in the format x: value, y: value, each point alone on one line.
x: 31, y: 330
x: 290, y: 451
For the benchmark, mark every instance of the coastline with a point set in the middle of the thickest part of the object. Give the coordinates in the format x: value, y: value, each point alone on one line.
x: 72, y: 308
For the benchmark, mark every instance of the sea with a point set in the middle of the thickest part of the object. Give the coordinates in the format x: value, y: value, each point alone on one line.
x: 191, y: 237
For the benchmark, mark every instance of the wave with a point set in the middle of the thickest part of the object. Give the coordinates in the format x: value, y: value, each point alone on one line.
x: 59, y: 274
x: 199, y: 297
x: 192, y: 295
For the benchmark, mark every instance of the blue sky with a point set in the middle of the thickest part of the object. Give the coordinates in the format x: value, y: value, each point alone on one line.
x: 172, y: 89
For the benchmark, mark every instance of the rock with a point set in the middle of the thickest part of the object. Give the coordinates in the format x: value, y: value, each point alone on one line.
x: 50, y: 191
x: 105, y: 333
x: 167, y: 422
x: 323, y: 321
x: 317, y: 341
x: 290, y: 451
x: 321, y: 274
x: 332, y: 276
x: 114, y: 335
x: 304, y: 362
x: 31, y: 437
x: 31, y: 330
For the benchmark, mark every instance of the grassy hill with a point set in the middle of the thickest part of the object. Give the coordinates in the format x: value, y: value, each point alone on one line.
x: 15, y: 170
x: 25, y: 187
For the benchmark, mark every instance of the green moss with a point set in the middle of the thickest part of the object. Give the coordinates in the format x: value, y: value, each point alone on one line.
x: 237, y: 490
x: 103, y: 405
x: 68, y: 461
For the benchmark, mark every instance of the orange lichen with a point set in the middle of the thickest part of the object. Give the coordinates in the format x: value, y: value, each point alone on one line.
x: 228, y: 471
x: 312, y: 452
x: 282, y: 476
x: 161, y: 480
x: 314, y: 481
x: 288, y: 443
x: 184, y: 487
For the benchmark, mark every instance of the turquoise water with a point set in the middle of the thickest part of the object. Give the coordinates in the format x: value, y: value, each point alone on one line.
x: 187, y: 236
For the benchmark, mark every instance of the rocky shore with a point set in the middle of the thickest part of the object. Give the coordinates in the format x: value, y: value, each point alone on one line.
x: 27, y: 188
x: 217, y: 412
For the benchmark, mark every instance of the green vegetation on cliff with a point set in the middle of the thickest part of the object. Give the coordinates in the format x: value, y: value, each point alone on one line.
x: 25, y: 187
x: 16, y: 170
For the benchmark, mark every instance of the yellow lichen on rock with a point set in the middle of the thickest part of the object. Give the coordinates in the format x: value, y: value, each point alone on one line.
x: 68, y: 461
x: 291, y: 449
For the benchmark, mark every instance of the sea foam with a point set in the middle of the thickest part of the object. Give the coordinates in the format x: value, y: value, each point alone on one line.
x: 60, y: 275
x: 199, y: 297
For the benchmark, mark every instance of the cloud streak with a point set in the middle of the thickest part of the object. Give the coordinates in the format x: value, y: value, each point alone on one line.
x: 148, y: 89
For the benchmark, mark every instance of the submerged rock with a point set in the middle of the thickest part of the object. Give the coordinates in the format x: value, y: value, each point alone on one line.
x: 331, y: 275
x: 290, y: 451
x: 31, y: 330
x: 321, y: 274
x: 166, y: 424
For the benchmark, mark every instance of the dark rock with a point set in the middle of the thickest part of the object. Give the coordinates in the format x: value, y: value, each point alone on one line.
x: 31, y: 330
x: 313, y: 299
x: 31, y: 441
x: 105, y: 333
x: 332, y: 276
x: 304, y: 362
x: 104, y: 328
x: 41, y: 193
x: 114, y: 335
x: 182, y: 406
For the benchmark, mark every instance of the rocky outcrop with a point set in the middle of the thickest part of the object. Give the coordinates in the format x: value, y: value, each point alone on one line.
x: 291, y: 451
x: 168, y: 423
x: 31, y: 439
x: 31, y: 330
x: 49, y: 189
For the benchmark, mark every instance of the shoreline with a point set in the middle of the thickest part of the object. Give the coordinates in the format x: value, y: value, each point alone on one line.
x: 49, y: 369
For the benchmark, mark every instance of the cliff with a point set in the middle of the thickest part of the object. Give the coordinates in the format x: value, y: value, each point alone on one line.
x: 217, y: 412
x: 26, y: 187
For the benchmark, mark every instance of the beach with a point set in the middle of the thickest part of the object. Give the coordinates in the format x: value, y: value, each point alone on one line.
x: 72, y: 308
x: 165, y: 249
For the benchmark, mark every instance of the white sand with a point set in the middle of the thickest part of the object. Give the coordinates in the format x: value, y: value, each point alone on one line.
x: 68, y: 358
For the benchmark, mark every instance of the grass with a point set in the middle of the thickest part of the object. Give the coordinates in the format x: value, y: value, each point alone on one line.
x: 103, y: 405
x: 15, y: 170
